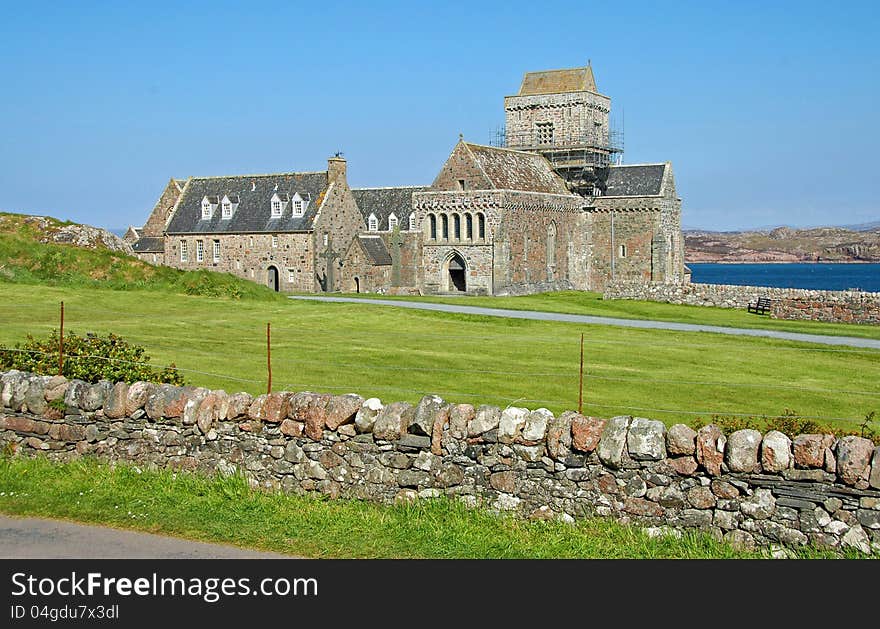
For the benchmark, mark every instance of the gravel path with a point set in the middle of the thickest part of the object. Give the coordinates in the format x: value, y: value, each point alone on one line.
x: 847, y: 341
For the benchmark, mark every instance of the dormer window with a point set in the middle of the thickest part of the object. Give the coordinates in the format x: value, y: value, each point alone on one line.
x: 228, y: 205
x: 373, y: 223
x: 208, y: 205
x: 279, y: 203
x: 300, y: 203
x: 392, y: 222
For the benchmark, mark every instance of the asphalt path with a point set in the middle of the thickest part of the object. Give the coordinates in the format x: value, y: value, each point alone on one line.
x: 847, y: 341
x: 38, y: 538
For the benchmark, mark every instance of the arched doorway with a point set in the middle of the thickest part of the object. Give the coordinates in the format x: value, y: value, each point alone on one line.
x: 273, y: 276
x: 456, y: 271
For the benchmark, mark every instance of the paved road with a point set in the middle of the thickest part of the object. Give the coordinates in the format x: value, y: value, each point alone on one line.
x: 848, y: 341
x: 37, y: 538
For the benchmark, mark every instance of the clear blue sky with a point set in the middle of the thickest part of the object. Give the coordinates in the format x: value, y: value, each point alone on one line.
x: 767, y: 110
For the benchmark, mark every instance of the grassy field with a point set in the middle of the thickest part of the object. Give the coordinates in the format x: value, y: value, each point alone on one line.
x: 401, y: 355
x: 225, y: 510
x: 589, y: 303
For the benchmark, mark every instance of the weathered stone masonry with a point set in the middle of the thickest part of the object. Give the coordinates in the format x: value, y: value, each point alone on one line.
x: 787, y: 303
x: 751, y: 489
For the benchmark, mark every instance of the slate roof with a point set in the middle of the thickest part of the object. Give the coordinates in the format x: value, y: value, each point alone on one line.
x: 641, y: 180
x: 375, y: 249
x: 383, y: 201
x: 517, y: 170
x: 254, y: 211
x: 148, y: 244
x: 558, y: 81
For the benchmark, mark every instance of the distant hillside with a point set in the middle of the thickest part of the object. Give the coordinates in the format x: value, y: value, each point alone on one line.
x: 784, y: 244
x: 44, y: 250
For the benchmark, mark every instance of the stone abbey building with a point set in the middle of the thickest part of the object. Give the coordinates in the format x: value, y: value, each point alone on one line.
x: 545, y: 209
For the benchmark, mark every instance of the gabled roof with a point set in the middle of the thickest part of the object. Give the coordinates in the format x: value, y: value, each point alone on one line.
x: 637, y: 180
x: 148, y: 244
x: 382, y: 202
x: 375, y: 249
x: 507, y: 169
x: 558, y: 81
x: 254, y: 212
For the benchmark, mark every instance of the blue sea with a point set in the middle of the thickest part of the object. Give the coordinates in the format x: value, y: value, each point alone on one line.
x: 817, y: 276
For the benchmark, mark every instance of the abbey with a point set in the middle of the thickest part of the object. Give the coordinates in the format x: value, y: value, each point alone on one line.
x: 548, y: 208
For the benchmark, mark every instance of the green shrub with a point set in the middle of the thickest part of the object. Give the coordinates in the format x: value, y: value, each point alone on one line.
x: 90, y: 358
x: 789, y: 423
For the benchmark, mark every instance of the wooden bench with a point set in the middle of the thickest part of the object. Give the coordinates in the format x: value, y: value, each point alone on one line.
x: 762, y: 306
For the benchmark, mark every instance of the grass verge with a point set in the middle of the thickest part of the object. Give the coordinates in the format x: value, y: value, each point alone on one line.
x: 226, y: 510
x: 404, y: 354
x: 591, y: 303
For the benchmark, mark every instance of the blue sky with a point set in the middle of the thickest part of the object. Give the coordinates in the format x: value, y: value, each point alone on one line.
x: 767, y: 110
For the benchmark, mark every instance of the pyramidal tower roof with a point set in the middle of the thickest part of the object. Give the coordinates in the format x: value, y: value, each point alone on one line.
x: 558, y: 81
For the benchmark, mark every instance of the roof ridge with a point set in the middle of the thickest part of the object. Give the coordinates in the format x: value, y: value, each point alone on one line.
x: 390, y: 187
x: 642, y: 164
x: 303, y: 172
x: 504, y: 148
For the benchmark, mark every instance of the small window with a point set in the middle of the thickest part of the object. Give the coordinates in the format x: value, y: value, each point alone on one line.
x: 274, y: 241
x: 290, y: 275
x: 481, y: 226
x: 456, y: 226
x: 468, y: 227
x: 251, y: 241
x: 412, y: 221
x: 216, y: 251
x: 462, y: 185
x: 621, y: 250
x: 276, y: 208
x: 298, y: 208
x: 432, y: 221
x: 238, y: 265
x: 200, y: 251
x: 544, y: 132
x: 373, y: 223
x: 184, y: 253
x: 392, y: 222
x: 444, y: 224
x: 326, y: 239
x: 227, y: 209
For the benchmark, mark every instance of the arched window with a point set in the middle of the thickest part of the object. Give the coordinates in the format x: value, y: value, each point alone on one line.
x: 444, y: 224
x: 456, y: 226
x: 432, y: 223
x: 622, y: 251
x: 468, y: 226
x: 412, y: 221
x: 481, y: 226
x: 551, y: 250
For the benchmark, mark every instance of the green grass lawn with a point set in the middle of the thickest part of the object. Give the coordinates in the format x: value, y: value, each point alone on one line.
x: 590, y: 303
x: 398, y: 354
x: 225, y: 510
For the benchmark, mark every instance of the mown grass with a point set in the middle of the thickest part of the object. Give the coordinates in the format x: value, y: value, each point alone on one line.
x: 397, y: 354
x: 225, y: 510
x: 591, y: 303
x: 25, y: 260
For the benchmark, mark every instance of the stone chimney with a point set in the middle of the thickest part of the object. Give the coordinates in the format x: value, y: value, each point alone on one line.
x: 336, y: 169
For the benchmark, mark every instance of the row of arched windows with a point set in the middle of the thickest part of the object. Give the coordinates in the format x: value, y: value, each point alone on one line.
x: 465, y: 226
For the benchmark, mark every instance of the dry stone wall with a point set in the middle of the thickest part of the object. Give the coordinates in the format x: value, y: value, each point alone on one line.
x: 787, y: 303
x: 747, y: 488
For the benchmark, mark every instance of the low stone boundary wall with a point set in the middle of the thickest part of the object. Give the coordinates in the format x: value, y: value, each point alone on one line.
x: 747, y: 488
x: 788, y: 303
